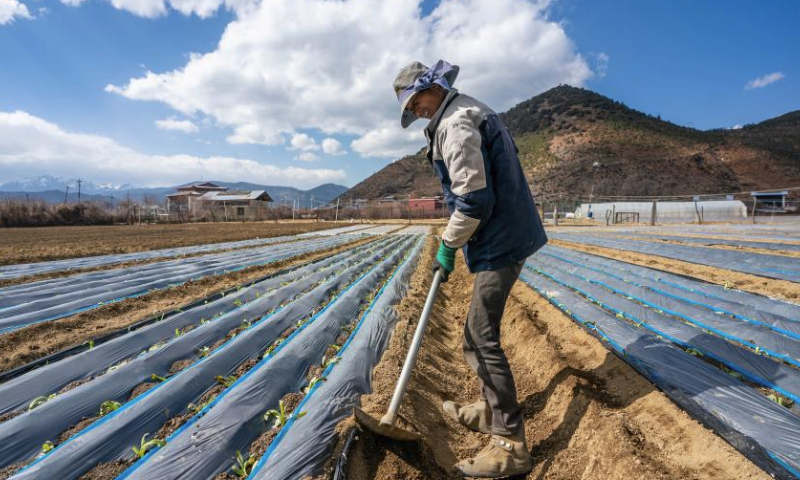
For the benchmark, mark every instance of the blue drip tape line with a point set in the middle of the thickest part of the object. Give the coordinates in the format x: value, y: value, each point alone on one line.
x: 326, y: 372
x: 700, y: 324
x: 708, y: 353
x: 645, y: 371
x: 150, y: 391
x: 219, y: 397
x: 788, y: 333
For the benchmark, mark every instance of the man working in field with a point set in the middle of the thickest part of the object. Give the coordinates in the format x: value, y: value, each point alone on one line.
x: 494, y: 218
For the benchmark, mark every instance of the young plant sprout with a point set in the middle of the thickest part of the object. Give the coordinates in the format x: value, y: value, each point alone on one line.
x: 780, y: 400
x: 279, y: 415
x: 204, y: 351
x: 90, y: 343
x: 108, y: 406
x: 225, y: 381
x: 238, y: 303
x: 145, y: 445
x: 243, y: 468
x: 326, y: 361
x: 40, y: 401
x: 157, y: 378
x: 335, y: 347
x: 178, y: 333
x: 312, y: 383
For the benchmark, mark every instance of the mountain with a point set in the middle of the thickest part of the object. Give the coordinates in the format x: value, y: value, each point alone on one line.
x: 52, y: 189
x: 572, y: 140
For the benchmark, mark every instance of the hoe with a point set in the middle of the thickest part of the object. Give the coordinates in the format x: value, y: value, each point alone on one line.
x: 386, y: 426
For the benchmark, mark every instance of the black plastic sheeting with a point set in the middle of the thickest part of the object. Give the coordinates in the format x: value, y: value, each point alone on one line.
x: 25, y: 269
x: 110, y: 438
x: 654, y: 237
x: 745, y: 333
x: 756, y: 368
x: 771, y: 266
x: 51, y: 378
x: 41, y: 301
x: 711, y: 292
x: 304, y: 446
x: 765, y: 432
x: 207, y: 446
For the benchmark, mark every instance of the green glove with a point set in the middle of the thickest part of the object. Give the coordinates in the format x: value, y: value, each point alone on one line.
x: 445, y: 260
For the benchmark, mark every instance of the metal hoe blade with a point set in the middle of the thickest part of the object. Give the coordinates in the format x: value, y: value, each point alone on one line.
x: 386, y: 426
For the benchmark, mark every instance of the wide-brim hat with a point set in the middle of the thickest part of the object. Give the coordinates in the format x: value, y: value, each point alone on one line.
x: 408, y: 76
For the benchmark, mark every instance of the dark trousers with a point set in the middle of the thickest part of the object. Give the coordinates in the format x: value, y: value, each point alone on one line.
x: 482, y: 348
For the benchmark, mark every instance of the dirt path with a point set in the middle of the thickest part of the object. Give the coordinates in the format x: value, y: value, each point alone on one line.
x: 782, y: 289
x: 29, y: 343
x: 588, y: 414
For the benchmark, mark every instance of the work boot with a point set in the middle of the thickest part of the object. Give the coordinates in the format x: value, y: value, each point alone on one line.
x: 476, y: 416
x: 503, y: 457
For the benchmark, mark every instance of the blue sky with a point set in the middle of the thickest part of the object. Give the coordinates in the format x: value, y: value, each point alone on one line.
x: 688, y: 61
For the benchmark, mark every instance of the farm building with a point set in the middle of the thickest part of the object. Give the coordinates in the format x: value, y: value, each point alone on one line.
x: 186, y: 199
x: 770, y: 202
x: 665, y: 212
x: 237, y: 204
x: 428, y: 204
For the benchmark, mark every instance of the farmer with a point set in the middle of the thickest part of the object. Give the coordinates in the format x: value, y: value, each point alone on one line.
x: 495, y: 222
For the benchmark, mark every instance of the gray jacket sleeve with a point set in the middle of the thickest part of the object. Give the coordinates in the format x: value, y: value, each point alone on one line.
x: 461, y: 150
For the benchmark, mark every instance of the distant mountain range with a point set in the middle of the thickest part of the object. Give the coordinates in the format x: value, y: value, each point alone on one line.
x: 573, y: 142
x: 53, y: 190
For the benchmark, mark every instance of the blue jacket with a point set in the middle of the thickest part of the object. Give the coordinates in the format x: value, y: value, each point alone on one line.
x: 493, y: 214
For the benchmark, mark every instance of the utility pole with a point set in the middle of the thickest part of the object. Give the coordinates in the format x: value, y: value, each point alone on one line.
x: 337, y: 211
x: 79, y: 190
x: 66, y: 194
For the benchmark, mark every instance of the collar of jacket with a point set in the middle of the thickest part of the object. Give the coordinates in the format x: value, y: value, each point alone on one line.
x: 431, y: 128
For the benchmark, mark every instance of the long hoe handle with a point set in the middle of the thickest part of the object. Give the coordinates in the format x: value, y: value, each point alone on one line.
x: 411, y: 358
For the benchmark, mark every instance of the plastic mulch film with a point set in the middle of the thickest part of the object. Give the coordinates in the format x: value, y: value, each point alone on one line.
x: 304, y: 446
x: 48, y: 379
x: 736, y: 330
x: 57, y: 302
x: 771, y: 266
x: 784, y: 325
x: 765, y: 432
x: 759, y: 302
x: 340, y: 230
x: 21, y: 437
x: 207, y: 444
x: 654, y: 237
x: 752, y: 366
x: 25, y: 269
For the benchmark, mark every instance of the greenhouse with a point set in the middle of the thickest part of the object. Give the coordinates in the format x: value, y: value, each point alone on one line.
x: 664, y: 212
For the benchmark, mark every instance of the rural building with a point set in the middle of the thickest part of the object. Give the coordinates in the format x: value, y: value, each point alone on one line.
x: 427, y: 204
x: 771, y: 202
x: 665, y: 212
x: 186, y: 200
x: 236, y: 204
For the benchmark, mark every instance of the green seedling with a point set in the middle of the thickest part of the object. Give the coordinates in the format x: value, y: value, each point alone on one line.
x: 47, y: 447
x: 621, y: 315
x: 280, y: 415
x: 694, y: 351
x: 178, y: 333
x: 204, y: 351
x: 90, y: 343
x: 203, y: 321
x: 238, y: 303
x: 145, y: 445
x: 780, y: 400
x: 347, y: 329
x: 732, y: 373
x: 243, y: 468
x: 312, y: 383
x: 157, y: 378
x: 335, y: 347
x: 225, y: 381
x: 728, y: 285
x: 108, y: 406
x: 300, y: 323
x: 40, y: 401
x: 247, y: 324
x: 326, y: 361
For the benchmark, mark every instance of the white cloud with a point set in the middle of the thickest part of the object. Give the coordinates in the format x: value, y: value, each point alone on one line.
x: 284, y: 66
x: 331, y: 146
x: 185, y: 126
x: 303, y: 142
x: 765, y: 80
x: 601, y: 65
x: 11, y: 10
x: 31, y: 146
x: 307, y: 157
x: 157, y: 8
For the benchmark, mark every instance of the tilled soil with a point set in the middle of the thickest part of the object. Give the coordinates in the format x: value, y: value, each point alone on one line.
x: 29, y: 343
x: 781, y: 289
x: 25, y: 245
x: 588, y: 414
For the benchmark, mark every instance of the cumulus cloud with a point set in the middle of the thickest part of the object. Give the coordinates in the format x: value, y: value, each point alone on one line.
x: 157, y: 8
x: 30, y: 146
x: 307, y: 157
x: 331, y: 146
x: 284, y: 66
x: 765, y: 80
x: 11, y: 10
x: 185, y: 126
x: 303, y: 142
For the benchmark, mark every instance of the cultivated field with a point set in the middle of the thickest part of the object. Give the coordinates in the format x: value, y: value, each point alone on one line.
x: 638, y: 353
